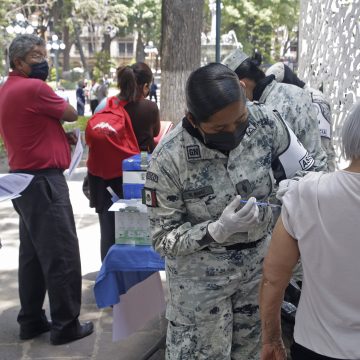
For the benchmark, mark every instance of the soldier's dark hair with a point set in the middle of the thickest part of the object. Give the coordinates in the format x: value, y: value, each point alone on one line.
x: 131, y: 79
x: 248, y: 69
x: 211, y: 88
x: 22, y: 45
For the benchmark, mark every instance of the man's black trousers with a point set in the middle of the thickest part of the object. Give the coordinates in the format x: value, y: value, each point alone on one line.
x: 49, y: 257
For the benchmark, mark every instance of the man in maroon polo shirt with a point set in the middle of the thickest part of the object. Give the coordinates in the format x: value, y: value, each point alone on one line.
x: 49, y: 258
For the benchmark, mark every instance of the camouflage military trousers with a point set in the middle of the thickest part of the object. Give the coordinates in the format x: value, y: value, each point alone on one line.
x: 213, y: 307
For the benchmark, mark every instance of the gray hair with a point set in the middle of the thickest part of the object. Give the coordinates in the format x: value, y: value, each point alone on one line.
x: 351, y: 134
x: 22, y: 45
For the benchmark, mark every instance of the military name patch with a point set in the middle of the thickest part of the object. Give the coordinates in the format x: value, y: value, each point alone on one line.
x: 306, y: 162
x: 151, y: 176
x: 193, y: 152
x: 198, y: 193
x: 149, y: 197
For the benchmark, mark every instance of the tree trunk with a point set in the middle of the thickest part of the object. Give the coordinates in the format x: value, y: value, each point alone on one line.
x: 77, y: 32
x: 140, y: 55
x: 66, y: 51
x: 106, y: 43
x: 180, y: 53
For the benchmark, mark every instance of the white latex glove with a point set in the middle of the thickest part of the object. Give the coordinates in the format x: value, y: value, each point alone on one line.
x: 232, y: 221
x: 284, y: 186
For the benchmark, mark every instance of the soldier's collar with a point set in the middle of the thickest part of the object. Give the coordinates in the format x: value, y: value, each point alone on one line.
x: 261, y: 85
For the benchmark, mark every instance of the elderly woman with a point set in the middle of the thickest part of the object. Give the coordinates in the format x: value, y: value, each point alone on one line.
x: 320, y: 222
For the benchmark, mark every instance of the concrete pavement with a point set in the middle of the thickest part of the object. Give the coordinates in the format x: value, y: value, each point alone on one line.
x: 99, y: 345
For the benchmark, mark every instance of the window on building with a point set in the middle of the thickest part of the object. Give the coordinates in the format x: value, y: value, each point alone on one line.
x: 90, y: 48
x: 293, y: 46
x: 122, y: 49
x: 129, y: 48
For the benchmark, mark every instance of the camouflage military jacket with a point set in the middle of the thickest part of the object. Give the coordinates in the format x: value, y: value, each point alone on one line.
x: 189, y: 185
x: 323, y: 113
x: 295, y: 107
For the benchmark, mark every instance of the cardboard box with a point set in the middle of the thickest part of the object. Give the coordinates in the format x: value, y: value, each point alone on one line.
x: 131, y: 222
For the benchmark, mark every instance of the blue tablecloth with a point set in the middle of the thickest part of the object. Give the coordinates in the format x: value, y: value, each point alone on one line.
x: 123, y: 267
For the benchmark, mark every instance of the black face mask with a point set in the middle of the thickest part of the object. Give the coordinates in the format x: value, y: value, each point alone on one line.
x: 225, y: 141
x: 39, y: 70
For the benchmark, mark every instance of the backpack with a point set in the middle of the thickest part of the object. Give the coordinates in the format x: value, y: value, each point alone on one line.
x: 111, y: 139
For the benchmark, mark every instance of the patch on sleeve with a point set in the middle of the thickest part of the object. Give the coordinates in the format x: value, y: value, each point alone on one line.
x: 149, y: 197
x: 250, y: 129
x: 306, y: 162
x: 193, y: 152
x: 152, y: 176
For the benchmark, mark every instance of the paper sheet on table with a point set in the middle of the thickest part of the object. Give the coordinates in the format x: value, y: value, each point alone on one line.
x: 129, y: 205
x: 11, y: 185
x: 76, y: 156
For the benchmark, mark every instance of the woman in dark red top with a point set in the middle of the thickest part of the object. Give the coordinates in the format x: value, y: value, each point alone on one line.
x: 134, y: 82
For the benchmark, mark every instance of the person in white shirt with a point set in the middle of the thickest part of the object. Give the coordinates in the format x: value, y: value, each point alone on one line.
x: 320, y: 222
x: 93, y: 97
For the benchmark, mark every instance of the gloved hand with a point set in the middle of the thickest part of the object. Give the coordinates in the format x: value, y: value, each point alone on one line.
x: 284, y: 186
x: 232, y: 221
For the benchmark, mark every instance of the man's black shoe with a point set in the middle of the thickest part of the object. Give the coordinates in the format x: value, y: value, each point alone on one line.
x: 28, y: 332
x: 68, y: 335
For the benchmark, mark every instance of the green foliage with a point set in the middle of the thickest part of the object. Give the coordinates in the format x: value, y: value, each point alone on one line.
x: 2, y: 147
x: 256, y: 21
x: 68, y: 84
x: 102, y: 65
x: 52, y: 74
x: 79, y: 123
x: 144, y: 16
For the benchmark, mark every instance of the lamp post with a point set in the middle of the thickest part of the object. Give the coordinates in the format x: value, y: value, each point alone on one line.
x: 20, y: 26
x: 55, y: 44
x: 17, y: 26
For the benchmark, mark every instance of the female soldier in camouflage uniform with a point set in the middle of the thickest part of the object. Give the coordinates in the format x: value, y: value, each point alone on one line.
x: 221, y: 154
x: 292, y: 103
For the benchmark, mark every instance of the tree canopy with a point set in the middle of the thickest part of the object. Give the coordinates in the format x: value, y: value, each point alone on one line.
x: 256, y: 21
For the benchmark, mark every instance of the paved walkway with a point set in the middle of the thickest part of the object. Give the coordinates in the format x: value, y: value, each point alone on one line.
x: 97, y: 346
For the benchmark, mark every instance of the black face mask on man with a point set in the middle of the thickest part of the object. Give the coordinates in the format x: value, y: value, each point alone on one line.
x: 39, y: 70
x: 225, y: 141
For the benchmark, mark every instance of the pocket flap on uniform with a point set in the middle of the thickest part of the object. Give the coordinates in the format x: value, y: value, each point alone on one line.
x: 179, y: 315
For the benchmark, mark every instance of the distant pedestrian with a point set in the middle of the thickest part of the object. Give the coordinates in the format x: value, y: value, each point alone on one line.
x: 80, y: 98
x: 93, y: 95
x: 153, y: 89
x: 102, y: 91
x: 49, y: 258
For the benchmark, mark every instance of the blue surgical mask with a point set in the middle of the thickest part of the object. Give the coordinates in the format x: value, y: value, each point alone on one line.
x: 39, y: 70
